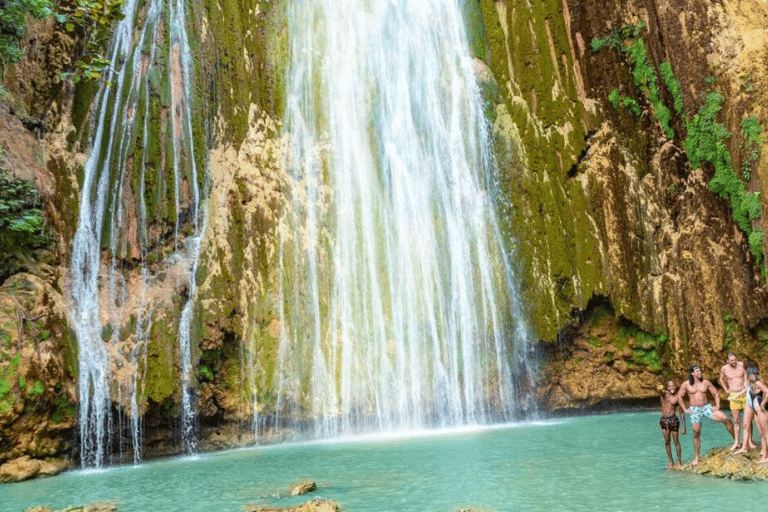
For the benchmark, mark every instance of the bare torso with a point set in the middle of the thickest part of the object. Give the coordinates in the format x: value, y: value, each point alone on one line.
x: 733, y: 378
x: 669, y: 403
x: 697, y: 392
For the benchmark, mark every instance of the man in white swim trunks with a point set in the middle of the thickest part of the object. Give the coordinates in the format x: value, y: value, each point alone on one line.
x: 731, y: 379
x: 697, y: 387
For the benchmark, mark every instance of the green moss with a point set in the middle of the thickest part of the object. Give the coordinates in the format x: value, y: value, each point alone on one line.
x: 162, y: 379
x: 665, y: 68
x: 63, y: 409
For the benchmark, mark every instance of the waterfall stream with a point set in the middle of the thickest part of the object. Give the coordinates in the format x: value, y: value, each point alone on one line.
x: 149, y: 41
x: 398, y: 299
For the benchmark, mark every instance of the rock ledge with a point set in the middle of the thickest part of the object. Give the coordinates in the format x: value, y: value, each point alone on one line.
x: 721, y: 463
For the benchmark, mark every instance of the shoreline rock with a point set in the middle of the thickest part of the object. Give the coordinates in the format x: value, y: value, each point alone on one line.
x: 315, y: 505
x: 721, y: 463
x: 25, y: 468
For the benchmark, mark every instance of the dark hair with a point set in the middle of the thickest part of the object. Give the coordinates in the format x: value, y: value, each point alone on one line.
x: 752, y: 370
x: 690, y: 373
x: 729, y: 354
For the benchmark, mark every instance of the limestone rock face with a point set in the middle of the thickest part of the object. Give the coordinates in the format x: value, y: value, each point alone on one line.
x: 598, y: 206
x: 37, y: 395
x: 605, y: 205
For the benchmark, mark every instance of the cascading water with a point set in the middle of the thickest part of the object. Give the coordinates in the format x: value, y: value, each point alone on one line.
x: 116, y: 177
x: 398, y: 301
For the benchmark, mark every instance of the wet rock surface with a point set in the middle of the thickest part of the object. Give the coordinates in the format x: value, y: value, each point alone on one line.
x: 315, y: 505
x: 303, y: 487
x: 721, y: 463
x: 24, y: 468
x: 93, y: 507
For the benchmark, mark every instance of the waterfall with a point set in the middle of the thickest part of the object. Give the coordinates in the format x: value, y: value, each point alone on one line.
x: 118, y: 177
x: 397, y: 298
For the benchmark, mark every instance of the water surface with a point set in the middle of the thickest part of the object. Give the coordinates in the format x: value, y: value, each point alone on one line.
x: 606, y: 463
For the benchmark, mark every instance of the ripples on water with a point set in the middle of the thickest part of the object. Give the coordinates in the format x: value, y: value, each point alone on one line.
x: 611, y: 463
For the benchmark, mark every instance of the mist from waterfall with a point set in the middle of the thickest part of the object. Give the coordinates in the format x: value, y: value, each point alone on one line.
x: 108, y: 368
x: 397, y: 298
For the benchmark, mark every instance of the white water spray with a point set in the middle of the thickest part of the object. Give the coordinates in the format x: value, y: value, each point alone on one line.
x: 133, y: 59
x: 398, y: 301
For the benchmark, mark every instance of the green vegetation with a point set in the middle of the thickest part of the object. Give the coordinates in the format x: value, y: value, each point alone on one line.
x: 63, y: 409
x: 665, y: 68
x: 205, y: 373
x: 7, y: 377
x: 13, y: 24
x: 629, y: 43
x: 22, y: 228
x: 37, y: 389
x: 91, y: 21
x: 706, y: 137
x: 646, y: 347
x: 615, y: 98
x: 705, y: 143
x: 753, y: 141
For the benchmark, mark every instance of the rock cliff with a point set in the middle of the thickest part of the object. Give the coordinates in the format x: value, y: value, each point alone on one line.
x: 631, y: 265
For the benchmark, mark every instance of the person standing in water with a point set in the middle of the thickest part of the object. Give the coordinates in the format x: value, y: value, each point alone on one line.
x: 757, y: 397
x: 697, y: 387
x: 731, y: 379
x: 669, y: 422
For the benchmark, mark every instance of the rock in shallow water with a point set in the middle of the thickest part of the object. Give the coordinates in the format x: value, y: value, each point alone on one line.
x: 316, y: 505
x: 721, y: 463
x: 93, y: 507
x: 25, y: 467
x: 303, y: 487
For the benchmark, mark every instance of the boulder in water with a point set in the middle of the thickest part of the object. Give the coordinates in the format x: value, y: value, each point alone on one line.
x: 315, y: 505
x: 93, y: 507
x: 303, y: 487
x: 25, y: 467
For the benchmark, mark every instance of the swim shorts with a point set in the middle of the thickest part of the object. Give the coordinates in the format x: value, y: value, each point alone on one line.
x: 670, y: 423
x: 697, y: 412
x: 738, y: 400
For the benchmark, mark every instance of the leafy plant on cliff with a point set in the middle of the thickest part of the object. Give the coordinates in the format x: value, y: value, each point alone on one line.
x: 22, y: 228
x: 705, y: 140
x: 705, y: 143
x: 753, y: 141
x: 628, y: 42
x: 13, y: 24
x: 91, y: 21
x: 665, y: 68
x: 7, y: 381
x: 645, y: 351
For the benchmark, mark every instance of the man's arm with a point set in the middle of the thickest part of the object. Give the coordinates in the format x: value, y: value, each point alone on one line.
x: 682, y: 416
x: 715, y: 394
x: 723, y: 380
x: 680, y: 395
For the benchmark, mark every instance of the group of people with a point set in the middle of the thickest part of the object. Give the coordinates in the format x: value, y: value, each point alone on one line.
x: 746, y: 392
